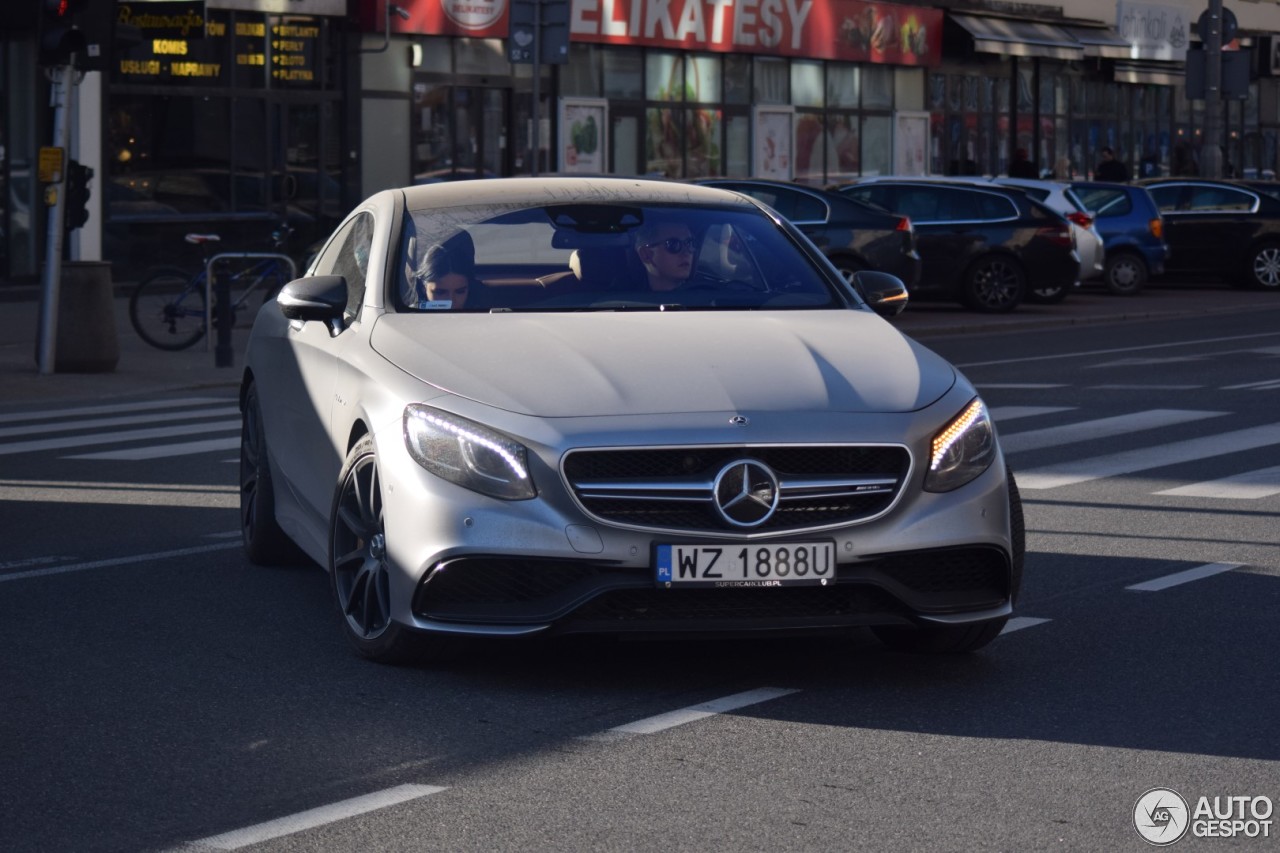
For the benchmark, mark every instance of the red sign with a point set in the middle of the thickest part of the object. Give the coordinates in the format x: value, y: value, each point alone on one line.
x: 849, y: 30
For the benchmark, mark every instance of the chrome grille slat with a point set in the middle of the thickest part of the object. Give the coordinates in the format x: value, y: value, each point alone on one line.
x: 673, y: 489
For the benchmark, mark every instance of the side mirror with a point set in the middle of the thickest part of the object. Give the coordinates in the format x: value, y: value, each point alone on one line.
x: 321, y: 297
x: 886, y: 294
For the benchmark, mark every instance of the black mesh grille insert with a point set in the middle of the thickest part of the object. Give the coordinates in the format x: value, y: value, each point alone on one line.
x: 707, y: 607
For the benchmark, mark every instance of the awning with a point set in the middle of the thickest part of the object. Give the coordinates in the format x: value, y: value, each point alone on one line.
x: 1101, y: 42
x: 1154, y: 73
x: 1019, y: 38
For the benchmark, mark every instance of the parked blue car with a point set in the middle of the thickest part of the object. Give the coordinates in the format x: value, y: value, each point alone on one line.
x: 1132, y: 233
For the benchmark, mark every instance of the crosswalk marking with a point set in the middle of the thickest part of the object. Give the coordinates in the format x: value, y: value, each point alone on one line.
x: 1100, y: 428
x: 1002, y: 414
x: 1187, y: 576
x: 114, y: 437
x: 160, y: 451
x: 1020, y: 386
x: 1147, y: 387
x: 1017, y: 623
x: 1146, y: 458
x: 114, y: 408
x: 129, y: 420
x: 1266, y: 385
x: 1250, y: 485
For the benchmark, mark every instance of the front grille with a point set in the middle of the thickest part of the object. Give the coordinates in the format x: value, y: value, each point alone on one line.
x: 673, y: 488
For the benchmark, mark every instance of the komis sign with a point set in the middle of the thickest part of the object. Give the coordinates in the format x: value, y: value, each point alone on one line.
x: 850, y: 30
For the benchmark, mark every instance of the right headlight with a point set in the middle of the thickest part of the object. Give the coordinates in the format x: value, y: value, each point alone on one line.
x: 962, y: 450
x: 467, y: 453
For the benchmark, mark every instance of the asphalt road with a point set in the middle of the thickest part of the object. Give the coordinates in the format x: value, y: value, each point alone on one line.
x: 162, y: 693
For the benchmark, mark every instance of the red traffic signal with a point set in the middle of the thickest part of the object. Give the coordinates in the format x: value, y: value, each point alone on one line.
x: 60, y: 39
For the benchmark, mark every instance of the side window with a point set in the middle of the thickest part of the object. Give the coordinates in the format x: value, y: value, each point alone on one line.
x: 873, y: 195
x: 348, y: 255
x: 781, y: 201
x: 808, y: 209
x: 996, y: 207
x: 1166, y: 197
x: 1104, y: 203
x: 961, y: 205
x: 1220, y: 198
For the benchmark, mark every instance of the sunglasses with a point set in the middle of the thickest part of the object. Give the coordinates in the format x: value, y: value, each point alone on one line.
x: 674, y: 245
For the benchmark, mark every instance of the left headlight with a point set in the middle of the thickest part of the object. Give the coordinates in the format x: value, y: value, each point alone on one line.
x: 467, y: 453
x: 962, y: 450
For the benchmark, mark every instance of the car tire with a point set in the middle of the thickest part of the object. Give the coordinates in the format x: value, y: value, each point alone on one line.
x: 1124, y: 273
x: 961, y: 639
x: 994, y: 284
x: 1264, y: 267
x: 360, y: 570
x: 265, y: 544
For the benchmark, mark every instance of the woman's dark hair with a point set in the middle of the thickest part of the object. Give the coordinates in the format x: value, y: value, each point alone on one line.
x: 455, y: 255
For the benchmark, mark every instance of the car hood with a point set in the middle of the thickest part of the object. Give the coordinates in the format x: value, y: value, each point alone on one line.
x: 636, y: 363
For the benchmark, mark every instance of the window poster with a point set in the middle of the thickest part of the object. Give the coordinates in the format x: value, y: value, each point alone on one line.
x: 583, y: 125
x: 910, y: 142
x: 774, y: 142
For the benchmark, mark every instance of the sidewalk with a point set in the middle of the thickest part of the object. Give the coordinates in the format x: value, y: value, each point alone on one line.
x: 144, y: 370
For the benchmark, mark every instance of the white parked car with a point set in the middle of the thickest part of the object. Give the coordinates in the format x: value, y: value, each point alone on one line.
x: 1059, y: 196
x: 533, y: 406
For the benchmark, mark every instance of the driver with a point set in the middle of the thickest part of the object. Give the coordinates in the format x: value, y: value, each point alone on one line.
x: 667, y: 250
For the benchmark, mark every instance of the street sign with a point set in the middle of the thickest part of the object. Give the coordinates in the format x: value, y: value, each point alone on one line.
x: 544, y: 20
x: 51, y: 164
x: 1230, y: 26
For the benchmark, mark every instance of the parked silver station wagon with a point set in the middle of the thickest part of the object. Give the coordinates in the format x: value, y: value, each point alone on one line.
x: 538, y: 406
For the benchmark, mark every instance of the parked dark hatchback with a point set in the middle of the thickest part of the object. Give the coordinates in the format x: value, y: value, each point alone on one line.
x: 989, y: 247
x: 854, y: 236
x: 1220, y: 228
x: 1132, y: 232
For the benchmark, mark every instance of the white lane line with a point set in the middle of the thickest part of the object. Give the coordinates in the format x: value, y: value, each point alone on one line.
x: 312, y: 818
x: 116, y: 494
x: 1100, y: 428
x: 1144, y: 387
x: 14, y: 417
x: 160, y: 451
x: 1179, y: 578
x: 118, y: 561
x: 1251, y: 485
x: 114, y: 437
x: 1001, y: 414
x: 1086, y: 353
x: 650, y: 725
x: 1017, y: 623
x: 1096, y: 468
x: 99, y: 423
x: 1269, y: 385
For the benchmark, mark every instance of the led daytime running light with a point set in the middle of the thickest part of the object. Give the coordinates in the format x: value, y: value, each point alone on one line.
x: 513, y: 462
x: 943, y: 441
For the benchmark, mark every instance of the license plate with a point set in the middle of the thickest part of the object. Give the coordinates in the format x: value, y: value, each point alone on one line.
x: 739, y: 565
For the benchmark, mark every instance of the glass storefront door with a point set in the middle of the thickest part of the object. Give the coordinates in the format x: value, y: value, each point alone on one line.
x: 460, y: 132
x: 306, y: 185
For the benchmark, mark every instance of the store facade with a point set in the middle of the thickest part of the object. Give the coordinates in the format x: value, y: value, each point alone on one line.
x: 232, y: 115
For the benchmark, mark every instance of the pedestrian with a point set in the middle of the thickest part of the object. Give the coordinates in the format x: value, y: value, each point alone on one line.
x: 1184, y: 165
x: 1022, y: 167
x: 1062, y: 170
x: 1111, y: 169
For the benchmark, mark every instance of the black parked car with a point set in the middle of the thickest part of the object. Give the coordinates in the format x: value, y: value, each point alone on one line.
x: 854, y: 236
x: 1222, y: 228
x: 987, y: 246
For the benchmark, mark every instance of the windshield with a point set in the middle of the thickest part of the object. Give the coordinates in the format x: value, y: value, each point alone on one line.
x: 590, y: 256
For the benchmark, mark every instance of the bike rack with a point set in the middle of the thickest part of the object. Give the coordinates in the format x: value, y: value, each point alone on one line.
x: 208, y: 284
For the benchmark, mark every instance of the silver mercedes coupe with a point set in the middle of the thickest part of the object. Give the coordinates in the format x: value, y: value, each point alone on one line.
x: 537, y: 406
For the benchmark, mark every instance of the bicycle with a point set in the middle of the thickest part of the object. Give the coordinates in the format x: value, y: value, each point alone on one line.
x: 168, y: 308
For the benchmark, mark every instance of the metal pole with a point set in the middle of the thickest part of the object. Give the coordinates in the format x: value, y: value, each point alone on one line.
x: 61, y: 78
x: 537, y: 79
x: 1211, y: 149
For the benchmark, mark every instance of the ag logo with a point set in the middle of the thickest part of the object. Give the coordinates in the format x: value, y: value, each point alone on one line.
x: 1161, y: 816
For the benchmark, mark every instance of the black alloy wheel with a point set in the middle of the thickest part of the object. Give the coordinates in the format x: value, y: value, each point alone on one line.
x: 994, y: 284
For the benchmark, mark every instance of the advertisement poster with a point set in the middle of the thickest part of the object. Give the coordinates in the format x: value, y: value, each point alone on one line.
x: 774, y: 143
x: 910, y: 142
x: 584, y: 124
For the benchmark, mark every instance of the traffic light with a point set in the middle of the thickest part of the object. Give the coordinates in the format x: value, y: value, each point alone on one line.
x: 77, y: 198
x: 60, y: 38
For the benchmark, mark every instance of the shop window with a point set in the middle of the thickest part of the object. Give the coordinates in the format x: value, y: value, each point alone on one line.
x: 481, y: 56
x: 737, y: 79
x: 702, y: 79
x: 702, y: 146
x: 582, y: 75
x: 664, y: 77
x: 167, y: 156
x: 623, y: 73
x: 806, y: 84
x: 437, y: 55
x: 843, y: 157
x: 877, y: 145
x: 737, y: 148
x: 809, y: 150
x: 955, y: 92
x: 664, y: 142
x: 770, y: 78
x: 1026, y: 98
x: 877, y: 87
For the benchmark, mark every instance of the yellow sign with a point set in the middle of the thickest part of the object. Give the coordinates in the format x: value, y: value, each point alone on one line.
x: 51, y: 164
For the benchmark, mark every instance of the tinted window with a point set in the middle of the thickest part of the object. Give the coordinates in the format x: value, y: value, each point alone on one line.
x: 809, y: 209
x: 878, y: 196
x: 1220, y: 198
x: 996, y: 207
x: 1166, y: 197
x: 1105, y: 202
x: 919, y: 203
x: 348, y: 255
